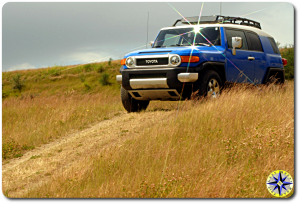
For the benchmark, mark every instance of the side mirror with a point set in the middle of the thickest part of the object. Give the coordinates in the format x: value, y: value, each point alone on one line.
x: 236, y: 43
x: 151, y: 43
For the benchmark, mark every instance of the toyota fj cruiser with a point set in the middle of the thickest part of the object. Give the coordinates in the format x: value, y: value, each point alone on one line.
x: 199, y: 58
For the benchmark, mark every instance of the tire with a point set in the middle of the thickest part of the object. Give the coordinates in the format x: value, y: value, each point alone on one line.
x: 130, y: 104
x: 208, y: 85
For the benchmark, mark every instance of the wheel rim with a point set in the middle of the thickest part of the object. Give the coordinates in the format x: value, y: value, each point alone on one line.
x: 213, y: 88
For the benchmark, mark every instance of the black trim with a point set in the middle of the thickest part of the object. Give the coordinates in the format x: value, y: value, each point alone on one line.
x: 154, y: 61
x: 219, y: 19
x: 176, y: 22
x: 121, y: 69
x: 265, y: 80
x: 219, y: 67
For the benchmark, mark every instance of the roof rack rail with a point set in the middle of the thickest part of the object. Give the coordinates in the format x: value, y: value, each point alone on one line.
x: 219, y: 19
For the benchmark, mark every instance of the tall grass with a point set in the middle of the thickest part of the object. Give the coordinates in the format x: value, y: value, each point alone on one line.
x: 209, y: 148
x: 31, y: 122
x: 53, y: 102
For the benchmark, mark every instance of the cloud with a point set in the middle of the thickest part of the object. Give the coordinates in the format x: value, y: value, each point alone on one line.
x: 21, y: 66
x: 86, y: 57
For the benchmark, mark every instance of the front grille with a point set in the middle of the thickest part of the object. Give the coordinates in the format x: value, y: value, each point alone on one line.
x: 152, y: 61
x: 147, y: 76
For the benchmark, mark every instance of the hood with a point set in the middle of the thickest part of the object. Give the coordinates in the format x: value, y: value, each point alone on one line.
x: 186, y: 50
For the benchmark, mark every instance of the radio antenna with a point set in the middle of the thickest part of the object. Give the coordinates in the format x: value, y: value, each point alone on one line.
x: 147, y: 31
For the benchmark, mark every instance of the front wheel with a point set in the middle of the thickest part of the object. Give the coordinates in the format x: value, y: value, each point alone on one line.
x: 130, y: 104
x: 209, y: 84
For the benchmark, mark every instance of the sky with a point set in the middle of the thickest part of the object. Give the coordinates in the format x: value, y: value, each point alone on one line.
x: 36, y: 35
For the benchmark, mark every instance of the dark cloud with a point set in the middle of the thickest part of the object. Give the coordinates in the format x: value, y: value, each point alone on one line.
x: 45, y: 34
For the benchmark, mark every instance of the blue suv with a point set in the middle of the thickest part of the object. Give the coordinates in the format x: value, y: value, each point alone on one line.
x: 199, y: 58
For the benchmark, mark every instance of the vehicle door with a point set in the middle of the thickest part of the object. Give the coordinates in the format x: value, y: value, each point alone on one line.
x: 259, y: 57
x: 239, y: 67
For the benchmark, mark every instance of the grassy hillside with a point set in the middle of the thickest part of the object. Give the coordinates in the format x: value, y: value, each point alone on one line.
x: 221, y: 148
x: 54, y: 101
x: 61, y: 80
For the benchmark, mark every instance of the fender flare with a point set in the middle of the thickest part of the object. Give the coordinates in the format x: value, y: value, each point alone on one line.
x: 273, y: 69
x: 121, y: 69
x: 219, y: 67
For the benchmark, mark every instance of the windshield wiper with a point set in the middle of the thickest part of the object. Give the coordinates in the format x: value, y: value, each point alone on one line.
x: 204, y: 44
x: 159, y: 46
x: 180, y: 45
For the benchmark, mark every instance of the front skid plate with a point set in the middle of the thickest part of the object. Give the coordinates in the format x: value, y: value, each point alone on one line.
x: 156, y: 94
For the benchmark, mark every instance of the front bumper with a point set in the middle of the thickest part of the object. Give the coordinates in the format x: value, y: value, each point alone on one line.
x: 156, y: 84
x: 172, y: 78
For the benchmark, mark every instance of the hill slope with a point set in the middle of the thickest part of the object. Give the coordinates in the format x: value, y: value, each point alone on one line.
x: 66, y: 134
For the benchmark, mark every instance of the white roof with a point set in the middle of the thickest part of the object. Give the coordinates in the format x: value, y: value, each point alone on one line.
x: 242, y: 27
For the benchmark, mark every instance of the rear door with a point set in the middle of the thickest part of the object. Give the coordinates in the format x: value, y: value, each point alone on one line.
x: 240, y: 67
x: 258, y: 54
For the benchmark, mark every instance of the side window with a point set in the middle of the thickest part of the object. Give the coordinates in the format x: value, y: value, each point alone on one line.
x: 236, y: 33
x: 254, y: 42
x: 274, y: 45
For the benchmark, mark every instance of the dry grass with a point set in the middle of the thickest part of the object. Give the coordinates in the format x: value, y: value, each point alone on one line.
x: 28, y: 122
x: 209, y: 149
x: 54, y: 102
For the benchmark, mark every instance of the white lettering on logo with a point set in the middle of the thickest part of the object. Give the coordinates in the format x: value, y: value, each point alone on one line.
x: 151, y: 61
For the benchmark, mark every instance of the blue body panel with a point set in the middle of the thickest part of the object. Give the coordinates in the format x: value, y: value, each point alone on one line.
x: 272, y: 59
x: 237, y: 66
x: 259, y: 66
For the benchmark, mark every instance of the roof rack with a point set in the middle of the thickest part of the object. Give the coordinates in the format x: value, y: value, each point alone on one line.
x: 219, y: 19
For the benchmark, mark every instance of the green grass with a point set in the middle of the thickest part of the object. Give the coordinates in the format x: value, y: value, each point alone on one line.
x: 35, y: 157
x: 58, y: 80
x: 288, y: 53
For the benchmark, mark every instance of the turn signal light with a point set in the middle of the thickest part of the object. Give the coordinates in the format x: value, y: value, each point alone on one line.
x: 284, y: 61
x: 123, y: 61
x: 189, y: 58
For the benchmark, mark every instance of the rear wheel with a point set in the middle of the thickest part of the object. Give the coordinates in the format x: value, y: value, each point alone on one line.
x: 130, y: 104
x: 209, y: 84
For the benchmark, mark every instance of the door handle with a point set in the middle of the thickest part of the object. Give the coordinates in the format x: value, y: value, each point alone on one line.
x: 251, y: 58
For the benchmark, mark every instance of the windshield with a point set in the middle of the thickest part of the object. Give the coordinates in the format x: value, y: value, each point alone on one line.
x: 185, y: 37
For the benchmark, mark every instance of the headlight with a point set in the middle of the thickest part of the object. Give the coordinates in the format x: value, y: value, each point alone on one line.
x: 175, y: 60
x: 129, y: 62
